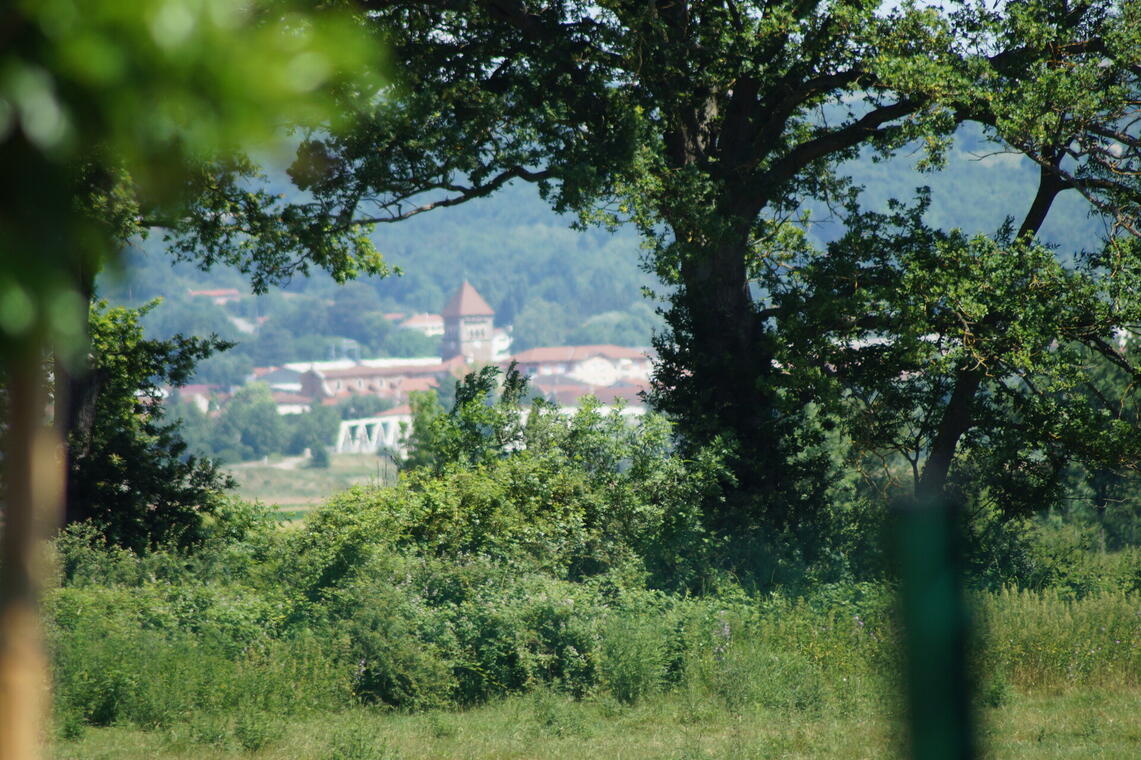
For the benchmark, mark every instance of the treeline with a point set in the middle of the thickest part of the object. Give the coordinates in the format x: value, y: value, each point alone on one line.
x: 334, y: 322
x: 554, y: 285
x: 248, y: 426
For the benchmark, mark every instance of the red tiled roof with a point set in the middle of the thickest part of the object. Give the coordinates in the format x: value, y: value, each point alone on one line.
x: 402, y: 409
x: 468, y: 303
x: 340, y: 396
x: 418, y: 384
x: 569, y: 395
x: 284, y: 397
x: 611, y: 394
x: 411, y: 370
x: 457, y: 365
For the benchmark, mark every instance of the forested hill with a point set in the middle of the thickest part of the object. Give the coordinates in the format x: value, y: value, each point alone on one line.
x: 554, y: 284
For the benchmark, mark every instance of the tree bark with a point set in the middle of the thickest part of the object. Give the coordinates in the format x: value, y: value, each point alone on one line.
x: 724, y: 373
x: 955, y: 422
x: 76, y: 394
x: 31, y: 509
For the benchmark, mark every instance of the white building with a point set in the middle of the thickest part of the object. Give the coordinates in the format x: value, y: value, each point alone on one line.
x: 601, y: 365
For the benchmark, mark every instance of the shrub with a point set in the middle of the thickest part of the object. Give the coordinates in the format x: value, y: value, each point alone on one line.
x: 357, y: 739
x: 150, y: 656
x: 255, y: 730
x: 633, y: 657
x: 320, y: 458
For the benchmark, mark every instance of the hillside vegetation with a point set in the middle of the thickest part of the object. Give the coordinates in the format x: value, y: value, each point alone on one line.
x: 554, y: 284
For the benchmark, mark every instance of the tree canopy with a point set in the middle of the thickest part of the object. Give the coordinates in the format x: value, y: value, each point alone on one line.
x: 712, y: 126
x: 131, y: 475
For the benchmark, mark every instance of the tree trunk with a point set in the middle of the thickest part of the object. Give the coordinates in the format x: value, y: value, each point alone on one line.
x: 31, y: 508
x: 76, y: 394
x: 956, y: 421
x: 727, y: 340
x: 717, y: 378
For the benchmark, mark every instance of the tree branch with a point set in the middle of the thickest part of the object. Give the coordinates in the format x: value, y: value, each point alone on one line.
x: 465, y: 195
x: 827, y: 144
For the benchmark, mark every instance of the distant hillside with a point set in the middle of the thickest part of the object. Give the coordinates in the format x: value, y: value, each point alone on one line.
x: 555, y: 284
x: 975, y: 192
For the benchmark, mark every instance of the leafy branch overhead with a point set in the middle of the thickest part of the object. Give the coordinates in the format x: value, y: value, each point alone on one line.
x: 711, y: 126
x: 936, y: 305
x: 109, y: 104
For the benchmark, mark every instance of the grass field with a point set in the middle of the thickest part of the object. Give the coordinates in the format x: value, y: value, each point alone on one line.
x: 294, y: 487
x: 529, y: 607
x: 545, y: 726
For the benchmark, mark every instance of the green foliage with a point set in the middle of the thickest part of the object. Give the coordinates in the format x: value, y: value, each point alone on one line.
x: 606, y: 481
x: 118, y: 100
x: 405, y: 343
x: 321, y: 459
x: 151, y: 656
x: 483, y: 423
x: 907, y: 378
x: 255, y: 730
x: 743, y: 676
x: 130, y: 473
x: 357, y: 405
x: 356, y: 740
x: 250, y: 427
x: 632, y: 327
x: 312, y: 430
x: 633, y: 657
x: 1039, y: 638
x: 555, y: 556
x: 263, y: 626
x: 712, y: 128
x: 541, y: 323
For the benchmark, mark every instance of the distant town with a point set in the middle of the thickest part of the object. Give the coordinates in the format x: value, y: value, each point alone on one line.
x: 616, y: 376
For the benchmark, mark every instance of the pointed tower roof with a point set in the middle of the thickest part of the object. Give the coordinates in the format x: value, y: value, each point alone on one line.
x: 468, y: 303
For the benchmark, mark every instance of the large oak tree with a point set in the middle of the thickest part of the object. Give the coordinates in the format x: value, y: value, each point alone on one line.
x: 710, y: 125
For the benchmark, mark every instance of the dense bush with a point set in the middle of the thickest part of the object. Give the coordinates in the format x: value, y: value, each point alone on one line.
x: 574, y: 560
x: 307, y: 628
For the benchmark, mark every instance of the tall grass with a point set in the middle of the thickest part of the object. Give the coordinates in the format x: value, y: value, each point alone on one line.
x: 152, y: 655
x: 360, y: 607
x: 1044, y: 640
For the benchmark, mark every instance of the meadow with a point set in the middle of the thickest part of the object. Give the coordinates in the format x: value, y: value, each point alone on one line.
x: 544, y: 726
x: 565, y: 601
x: 292, y: 487
x: 420, y: 658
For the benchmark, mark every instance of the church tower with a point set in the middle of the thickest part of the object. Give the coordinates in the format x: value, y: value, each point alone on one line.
x: 468, y: 326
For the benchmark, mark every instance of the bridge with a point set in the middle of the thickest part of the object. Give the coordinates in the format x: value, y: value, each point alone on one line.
x: 372, y: 434
x: 369, y: 435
